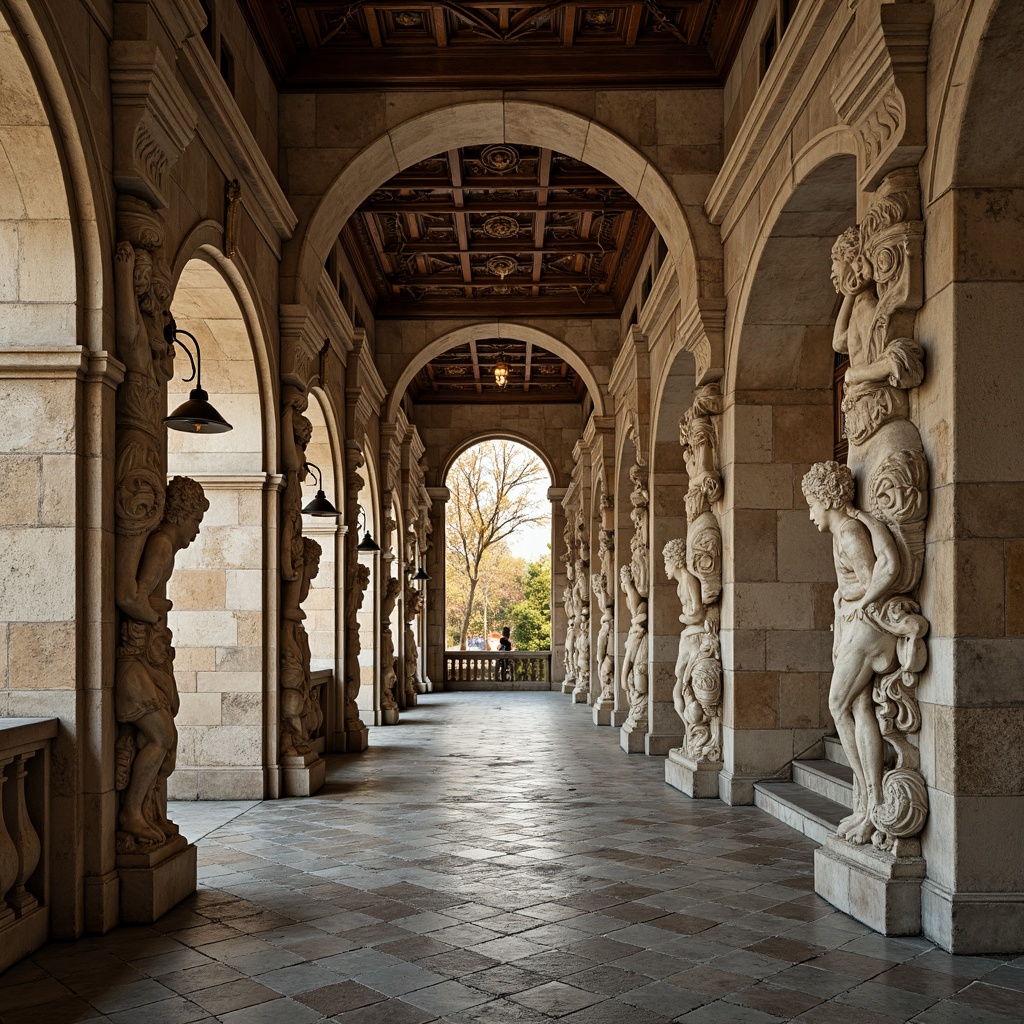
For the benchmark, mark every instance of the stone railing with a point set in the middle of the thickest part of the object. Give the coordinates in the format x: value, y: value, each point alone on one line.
x: 24, y: 835
x: 497, y: 667
x: 321, y: 683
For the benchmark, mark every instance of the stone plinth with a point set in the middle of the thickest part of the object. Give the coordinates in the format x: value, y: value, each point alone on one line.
x: 23, y: 936
x: 631, y: 739
x: 356, y: 740
x: 602, y: 712
x: 568, y: 686
x: 876, y: 887
x: 154, y: 882
x: 303, y: 775
x: 619, y: 718
x: 698, y: 779
x: 389, y: 716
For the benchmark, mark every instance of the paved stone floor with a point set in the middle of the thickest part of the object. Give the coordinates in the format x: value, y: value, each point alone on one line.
x: 493, y: 859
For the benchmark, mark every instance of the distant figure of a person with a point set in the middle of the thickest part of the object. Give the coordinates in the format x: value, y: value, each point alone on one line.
x: 505, y: 645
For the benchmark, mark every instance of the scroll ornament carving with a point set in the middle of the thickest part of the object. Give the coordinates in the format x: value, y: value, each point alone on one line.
x: 301, y: 714
x: 878, y: 545
x: 696, y: 565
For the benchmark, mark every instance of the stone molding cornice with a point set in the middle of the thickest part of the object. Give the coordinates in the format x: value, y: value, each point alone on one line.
x: 881, y: 92
x: 302, y: 340
x: 439, y: 494
x: 231, y: 481
x: 664, y: 298
x: 59, y: 363
x: 701, y: 332
x: 792, y: 77
x: 153, y: 119
x: 329, y: 306
x: 556, y: 494
x: 631, y: 364
x: 270, y: 204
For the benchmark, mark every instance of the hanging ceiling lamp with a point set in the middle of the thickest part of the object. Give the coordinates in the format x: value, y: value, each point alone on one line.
x: 367, y: 543
x: 319, y: 506
x: 196, y: 416
x: 421, y: 574
x: 501, y: 371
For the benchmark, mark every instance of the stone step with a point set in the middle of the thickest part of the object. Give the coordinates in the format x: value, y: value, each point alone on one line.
x: 826, y: 778
x: 810, y: 813
x: 834, y: 751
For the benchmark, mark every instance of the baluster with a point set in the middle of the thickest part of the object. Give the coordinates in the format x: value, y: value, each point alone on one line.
x: 8, y: 856
x: 26, y: 839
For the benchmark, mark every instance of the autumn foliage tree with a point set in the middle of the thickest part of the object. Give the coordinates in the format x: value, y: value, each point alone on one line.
x: 491, y: 487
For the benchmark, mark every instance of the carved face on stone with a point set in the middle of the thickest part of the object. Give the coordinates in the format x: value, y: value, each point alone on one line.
x: 819, y: 515
x: 851, y: 272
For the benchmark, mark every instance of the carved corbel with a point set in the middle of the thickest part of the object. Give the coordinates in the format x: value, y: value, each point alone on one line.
x: 302, y: 341
x: 881, y: 91
x: 153, y: 119
x: 701, y: 332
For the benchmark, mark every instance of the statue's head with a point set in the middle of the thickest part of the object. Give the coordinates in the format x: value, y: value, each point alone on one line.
x: 311, y: 552
x: 830, y: 483
x: 851, y: 271
x: 674, y: 554
x: 185, y: 505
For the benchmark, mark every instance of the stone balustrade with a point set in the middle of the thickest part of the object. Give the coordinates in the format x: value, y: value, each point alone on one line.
x: 495, y: 670
x: 24, y: 831
x: 321, y: 685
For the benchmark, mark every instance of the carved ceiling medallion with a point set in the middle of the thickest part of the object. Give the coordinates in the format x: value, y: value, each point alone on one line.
x: 500, y: 159
x: 501, y: 226
x: 502, y: 266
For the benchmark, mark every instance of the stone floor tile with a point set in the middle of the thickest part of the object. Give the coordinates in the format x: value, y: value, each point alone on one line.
x: 917, y: 979
x: 447, y: 997
x: 839, y: 1013
x: 709, y: 980
x: 815, y: 982
x: 664, y: 998
x: 887, y: 1000
x: 300, y: 978
x: 722, y: 1012
x: 340, y: 998
x: 391, y: 1011
x: 69, y: 1010
x: 948, y: 1012
x: 650, y: 963
x: 458, y: 963
x: 193, y: 979
x: 991, y: 998
x: 505, y: 979
x: 1005, y: 976
x: 556, y: 999
x: 774, y: 999
x: 397, y: 981
x: 278, y: 1011
x: 233, y: 995
x: 608, y: 980
x: 178, y: 1010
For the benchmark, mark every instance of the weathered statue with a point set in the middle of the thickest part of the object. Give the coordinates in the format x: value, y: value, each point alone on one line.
x: 581, y: 601
x: 877, y: 652
x: 569, y: 601
x: 388, y: 664
x: 296, y: 432
x: 697, y: 693
x: 145, y: 695
x: 605, y: 660
x: 359, y: 580
x: 413, y: 606
x: 301, y: 714
x: 878, y: 648
x: 640, y: 499
x: 634, y: 658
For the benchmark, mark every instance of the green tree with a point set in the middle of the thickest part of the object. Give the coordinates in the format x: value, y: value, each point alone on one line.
x: 491, y: 487
x: 531, y: 617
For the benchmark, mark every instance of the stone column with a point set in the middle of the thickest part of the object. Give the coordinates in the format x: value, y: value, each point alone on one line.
x: 558, y: 585
x: 434, y: 589
x: 358, y: 577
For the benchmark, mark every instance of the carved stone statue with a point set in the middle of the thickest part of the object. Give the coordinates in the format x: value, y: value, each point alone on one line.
x: 569, y: 603
x: 581, y: 600
x: 388, y: 663
x: 878, y: 649
x: 359, y: 579
x: 301, y: 714
x: 640, y: 499
x: 605, y: 660
x: 634, y: 658
x: 145, y: 695
x: 413, y: 606
x: 296, y: 432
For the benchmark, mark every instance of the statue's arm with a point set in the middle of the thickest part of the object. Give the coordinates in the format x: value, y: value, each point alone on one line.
x: 841, y: 334
x: 126, y: 308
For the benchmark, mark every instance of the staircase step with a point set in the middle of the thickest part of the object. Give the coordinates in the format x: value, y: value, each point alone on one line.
x: 827, y: 779
x: 810, y: 813
x: 834, y: 751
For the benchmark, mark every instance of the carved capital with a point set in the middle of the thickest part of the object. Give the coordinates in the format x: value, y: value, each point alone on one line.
x: 881, y: 91
x: 701, y: 332
x: 153, y: 119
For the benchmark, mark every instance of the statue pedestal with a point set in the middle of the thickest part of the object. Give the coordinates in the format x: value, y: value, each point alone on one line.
x: 698, y: 779
x: 357, y: 737
x: 389, y: 716
x: 631, y: 738
x: 568, y: 685
x: 876, y: 887
x: 153, y: 882
x: 303, y: 775
x: 579, y: 696
x: 619, y: 718
x: 602, y: 711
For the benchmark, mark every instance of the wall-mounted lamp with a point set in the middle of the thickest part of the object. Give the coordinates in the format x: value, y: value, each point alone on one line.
x: 196, y: 416
x: 319, y: 506
x: 501, y: 371
x: 367, y: 543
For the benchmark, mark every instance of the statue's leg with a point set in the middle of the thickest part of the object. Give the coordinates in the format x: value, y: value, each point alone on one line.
x: 849, y: 679
x: 157, y: 735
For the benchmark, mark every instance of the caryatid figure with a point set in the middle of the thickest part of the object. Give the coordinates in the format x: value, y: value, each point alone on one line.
x: 634, y: 657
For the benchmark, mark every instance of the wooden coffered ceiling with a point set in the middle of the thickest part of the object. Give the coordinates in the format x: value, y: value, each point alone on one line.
x: 410, y: 44
x: 498, y: 230
x: 466, y: 374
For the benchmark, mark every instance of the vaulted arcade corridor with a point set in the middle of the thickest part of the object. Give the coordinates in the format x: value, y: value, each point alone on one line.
x: 497, y: 859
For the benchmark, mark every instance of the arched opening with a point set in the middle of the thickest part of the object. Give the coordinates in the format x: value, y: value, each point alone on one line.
x: 498, y: 564
x: 778, y: 575
x: 218, y: 589
x: 369, y: 696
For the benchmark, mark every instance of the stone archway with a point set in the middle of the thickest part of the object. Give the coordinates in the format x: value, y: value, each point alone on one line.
x: 778, y: 410
x: 517, y: 122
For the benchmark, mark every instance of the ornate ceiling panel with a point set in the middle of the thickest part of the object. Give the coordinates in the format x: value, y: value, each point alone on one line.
x: 498, y: 230
x: 335, y: 44
x: 466, y: 374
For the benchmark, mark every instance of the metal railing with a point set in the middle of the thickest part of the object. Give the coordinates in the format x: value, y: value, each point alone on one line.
x: 24, y: 835
x: 497, y: 666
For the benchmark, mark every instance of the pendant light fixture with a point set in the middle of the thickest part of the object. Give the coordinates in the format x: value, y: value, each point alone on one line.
x: 421, y: 574
x: 319, y: 506
x: 196, y: 416
x: 367, y: 543
x: 501, y: 371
